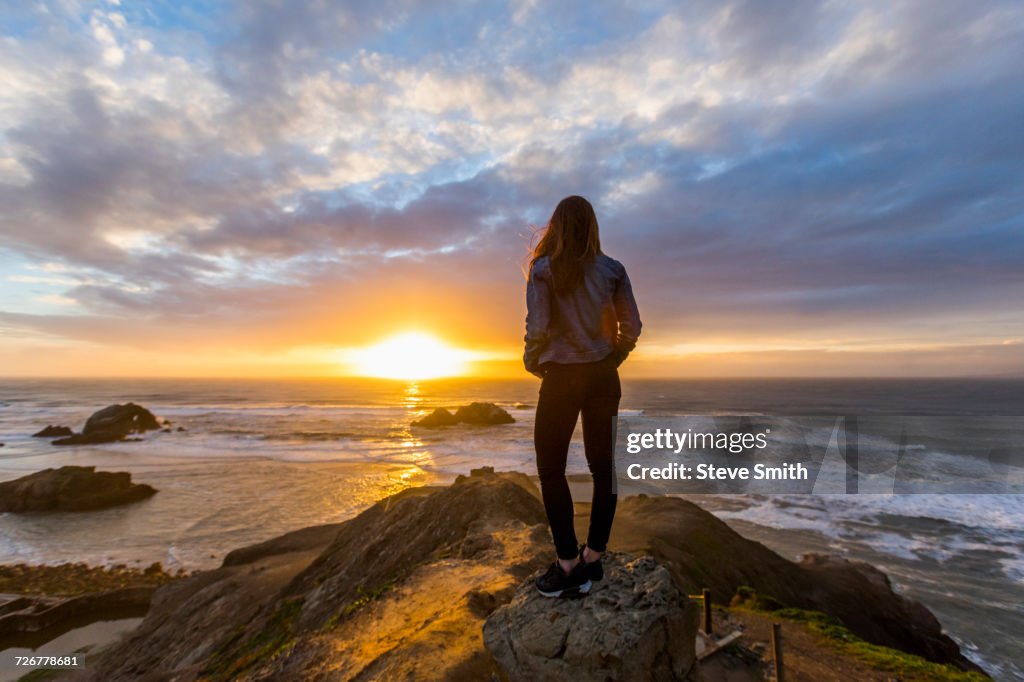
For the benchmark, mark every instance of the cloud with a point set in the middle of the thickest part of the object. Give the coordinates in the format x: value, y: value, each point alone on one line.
x: 807, y: 170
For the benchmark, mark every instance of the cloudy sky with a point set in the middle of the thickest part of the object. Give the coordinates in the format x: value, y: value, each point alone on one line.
x: 795, y: 187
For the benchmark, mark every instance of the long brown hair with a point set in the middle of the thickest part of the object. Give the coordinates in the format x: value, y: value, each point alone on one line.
x: 570, y: 240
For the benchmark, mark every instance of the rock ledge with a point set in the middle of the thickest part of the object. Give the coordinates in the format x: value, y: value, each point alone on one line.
x: 634, y: 625
x: 71, y: 488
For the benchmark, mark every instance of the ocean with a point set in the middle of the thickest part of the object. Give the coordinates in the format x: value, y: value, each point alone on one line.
x: 257, y: 458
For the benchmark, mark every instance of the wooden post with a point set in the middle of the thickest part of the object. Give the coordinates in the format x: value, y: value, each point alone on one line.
x: 780, y: 675
x: 706, y: 595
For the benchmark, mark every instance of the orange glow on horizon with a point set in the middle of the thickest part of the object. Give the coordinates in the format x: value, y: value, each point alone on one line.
x: 411, y: 356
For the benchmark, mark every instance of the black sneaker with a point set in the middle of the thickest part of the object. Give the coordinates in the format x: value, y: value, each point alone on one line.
x: 555, y: 583
x: 594, y: 570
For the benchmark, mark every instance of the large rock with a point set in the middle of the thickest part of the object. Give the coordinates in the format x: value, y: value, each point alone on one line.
x: 701, y: 550
x: 122, y: 419
x: 480, y: 414
x: 71, y: 488
x: 302, y: 540
x: 635, y: 625
x: 399, y: 592
x: 483, y: 414
x: 862, y: 596
x: 439, y: 417
x: 53, y: 432
x: 113, y: 423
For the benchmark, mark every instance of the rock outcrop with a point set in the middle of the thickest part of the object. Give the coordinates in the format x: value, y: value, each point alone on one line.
x: 635, y: 625
x: 76, y: 579
x: 53, y: 432
x: 71, y: 488
x: 123, y: 419
x: 480, y: 414
x: 483, y: 414
x: 862, y: 597
x: 399, y: 592
x: 439, y: 417
x: 701, y: 550
x: 28, y: 621
x: 403, y: 590
x: 113, y: 423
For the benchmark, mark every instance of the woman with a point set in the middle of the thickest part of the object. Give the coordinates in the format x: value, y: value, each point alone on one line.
x: 581, y: 323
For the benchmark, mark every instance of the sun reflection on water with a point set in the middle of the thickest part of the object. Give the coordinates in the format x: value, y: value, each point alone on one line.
x: 411, y: 397
x: 418, y: 454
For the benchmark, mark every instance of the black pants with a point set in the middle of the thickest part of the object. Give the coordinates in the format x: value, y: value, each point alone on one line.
x: 593, y: 389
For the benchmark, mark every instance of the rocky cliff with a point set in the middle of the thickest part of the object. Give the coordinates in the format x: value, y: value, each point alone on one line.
x: 403, y: 590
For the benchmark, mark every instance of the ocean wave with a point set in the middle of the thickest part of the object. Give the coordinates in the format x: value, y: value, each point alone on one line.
x: 313, y: 435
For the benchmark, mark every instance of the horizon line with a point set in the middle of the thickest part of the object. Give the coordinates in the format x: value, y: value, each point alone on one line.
x: 327, y: 377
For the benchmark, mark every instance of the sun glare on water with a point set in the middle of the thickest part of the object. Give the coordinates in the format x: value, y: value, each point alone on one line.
x: 412, y: 355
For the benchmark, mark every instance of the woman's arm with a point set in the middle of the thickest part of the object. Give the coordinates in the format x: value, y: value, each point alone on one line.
x: 538, y: 317
x: 628, y: 316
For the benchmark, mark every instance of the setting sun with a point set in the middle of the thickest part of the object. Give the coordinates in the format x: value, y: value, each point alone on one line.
x: 412, y: 355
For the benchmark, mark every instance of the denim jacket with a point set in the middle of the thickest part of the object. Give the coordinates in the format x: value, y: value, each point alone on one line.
x: 584, y: 325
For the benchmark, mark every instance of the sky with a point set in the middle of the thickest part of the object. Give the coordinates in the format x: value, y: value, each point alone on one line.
x: 795, y: 188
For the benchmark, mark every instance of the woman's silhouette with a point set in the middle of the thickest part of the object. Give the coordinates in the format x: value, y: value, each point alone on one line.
x: 581, y: 323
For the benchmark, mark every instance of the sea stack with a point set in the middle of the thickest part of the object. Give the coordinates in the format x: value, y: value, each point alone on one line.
x: 479, y: 414
x: 71, y: 488
x: 113, y: 423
